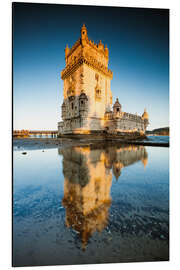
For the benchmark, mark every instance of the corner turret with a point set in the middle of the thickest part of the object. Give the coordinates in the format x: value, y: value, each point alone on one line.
x: 145, y: 115
x: 106, y: 51
x: 66, y: 50
x: 100, y: 46
x: 117, y: 107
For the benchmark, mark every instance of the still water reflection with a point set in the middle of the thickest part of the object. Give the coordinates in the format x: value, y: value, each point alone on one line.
x: 91, y: 204
x: 88, y: 173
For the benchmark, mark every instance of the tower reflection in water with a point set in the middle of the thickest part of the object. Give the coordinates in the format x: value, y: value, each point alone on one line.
x: 88, y: 173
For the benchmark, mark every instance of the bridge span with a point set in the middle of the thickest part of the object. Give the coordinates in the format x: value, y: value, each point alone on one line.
x: 28, y: 133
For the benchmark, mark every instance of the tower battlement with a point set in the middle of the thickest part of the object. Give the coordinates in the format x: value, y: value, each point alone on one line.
x: 83, y: 41
x: 86, y: 51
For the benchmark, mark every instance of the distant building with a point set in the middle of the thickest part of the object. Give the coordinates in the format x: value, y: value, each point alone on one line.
x: 87, y: 105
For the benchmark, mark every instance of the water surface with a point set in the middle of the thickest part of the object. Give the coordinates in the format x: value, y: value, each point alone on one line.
x: 92, y: 204
x: 158, y: 139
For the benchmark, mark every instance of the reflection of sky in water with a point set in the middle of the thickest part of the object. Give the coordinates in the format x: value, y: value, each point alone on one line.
x: 37, y: 168
x: 46, y: 223
x: 162, y: 139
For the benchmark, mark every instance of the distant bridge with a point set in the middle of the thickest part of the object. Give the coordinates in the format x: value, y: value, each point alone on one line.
x: 43, y: 132
x: 27, y: 133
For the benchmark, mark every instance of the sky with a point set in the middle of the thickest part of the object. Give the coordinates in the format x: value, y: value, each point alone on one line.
x: 138, y: 43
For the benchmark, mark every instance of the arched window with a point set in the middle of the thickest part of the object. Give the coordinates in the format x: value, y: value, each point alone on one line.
x: 72, y: 105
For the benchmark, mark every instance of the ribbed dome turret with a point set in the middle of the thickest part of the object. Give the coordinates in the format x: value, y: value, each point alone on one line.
x: 117, y: 107
x: 145, y: 115
x: 117, y: 104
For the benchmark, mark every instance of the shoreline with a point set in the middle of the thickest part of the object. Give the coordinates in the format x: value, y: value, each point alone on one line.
x: 49, y: 143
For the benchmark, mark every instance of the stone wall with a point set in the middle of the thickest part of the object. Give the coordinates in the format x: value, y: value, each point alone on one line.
x: 94, y: 81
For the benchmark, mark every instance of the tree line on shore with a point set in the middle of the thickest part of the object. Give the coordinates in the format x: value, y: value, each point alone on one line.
x: 159, y: 131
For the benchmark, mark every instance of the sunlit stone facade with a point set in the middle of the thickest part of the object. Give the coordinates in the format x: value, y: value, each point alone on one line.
x: 87, y: 105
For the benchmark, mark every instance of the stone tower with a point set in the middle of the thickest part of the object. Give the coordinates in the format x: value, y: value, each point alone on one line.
x: 87, y: 90
x: 87, y: 105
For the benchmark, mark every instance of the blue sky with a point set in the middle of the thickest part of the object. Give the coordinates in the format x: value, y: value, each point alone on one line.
x: 138, y: 42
